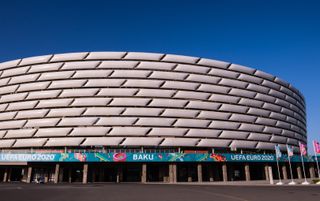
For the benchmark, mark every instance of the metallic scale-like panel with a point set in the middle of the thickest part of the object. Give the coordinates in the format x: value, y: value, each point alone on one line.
x: 145, y: 99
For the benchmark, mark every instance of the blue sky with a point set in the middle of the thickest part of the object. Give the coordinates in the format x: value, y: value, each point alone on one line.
x: 277, y: 36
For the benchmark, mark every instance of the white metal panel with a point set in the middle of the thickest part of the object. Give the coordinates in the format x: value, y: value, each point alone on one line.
x: 103, y: 111
x: 90, y: 131
x: 80, y: 65
x: 105, y: 55
x: 6, y: 143
x: 141, y: 141
x: 203, y: 105
x: 52, y: 132
x: 259, y: 137
x: 42, y: 122
x: 224, y: 98
x: 23, y: 78
x: 33, y: 142
x: 192, y: 95
x: 91, y: 101
x: 8, y: 89
x: 69, y: 56
x: 120, y: 121
x: 251, y: 127
x: 92, y: 73
x: 192, y: 123
x: 180, y: 85
x: 43, y: 94
x: 62, y: 142
x: 13, y: 97
x: 63, y: 112
x: 214, y: 115
x: 223, y: 73
x: 214, y: 63
x: 130, y: 73
x: 192, y: 68
x: 234, y: 135
x: 129, y: 102
x: 78, y: 121
x: 243, y: 93
x: 34, y: 60
x: 203, y: 78
x: 15, y: 71
x: 31, y: 114
x: 117, y: 92
x: 142, y: 111
x: 168, y: 75
x: 102, y: 141
x: 33, y: 86
x: 180, y: 58
x: 233, y: 108
x: 66, y: 84
x: 78, y: 92
x: 167, y: 132
x: 129, y: 131
x: 155, y: 93
x: 8, y: 64
x: 20, y: 133
x: 179, y: 113
x: 54, y: 103
x: 7, y: 115
x: 224, y: 125
x: 243, y: 118
x: 118, y: 64
x: 155, y: 121
x: 243, y: 144
x: 213, y: 143
x: 214, y: 88
x: 211, y: 133
x: 105, y: 82
x: 56, y: 75
x: 241, y: 68
x: 143, y: 83
x: 233, y: 83
x: 168, y: 103
x: 156, y: 65
x: 44, y: 67
x: 143, y: 56
x: 179, y: 142
x: 22, y: 105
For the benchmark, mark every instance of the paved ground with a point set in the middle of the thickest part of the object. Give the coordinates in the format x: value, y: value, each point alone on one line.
x: 155, y: 192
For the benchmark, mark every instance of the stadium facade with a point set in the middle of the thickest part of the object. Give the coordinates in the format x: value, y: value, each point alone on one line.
x: 128, y: 116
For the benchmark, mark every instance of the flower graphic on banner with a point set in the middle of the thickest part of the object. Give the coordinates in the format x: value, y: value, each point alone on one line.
x: 119, y: 157
x: 217, y: 157
x: 81, y: 157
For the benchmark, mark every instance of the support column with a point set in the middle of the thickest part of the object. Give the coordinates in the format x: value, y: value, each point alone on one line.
x: 266, y: 172
x: 61, y: 172
x: 172, y: 173
x: 5, y: 175
x: 312, y: 172
x: 247, y: 172
x: 199, y: 172
x: 46, y: 176
x: 29, y: 174
x: 299, y: 172
x: 119, y: 174
x: 211, y: 177
x: 9, y: 175
x: 284, y: 172
x: 85, y: 173
x: 144, y: 173
x: 69, y: 174
x: 56, y: 173
x: 224, y: 172
x: 270, y: 174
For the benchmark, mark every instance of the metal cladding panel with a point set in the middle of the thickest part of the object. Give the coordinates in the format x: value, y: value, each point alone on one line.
x: 102, y: 141
x: 147, y: 99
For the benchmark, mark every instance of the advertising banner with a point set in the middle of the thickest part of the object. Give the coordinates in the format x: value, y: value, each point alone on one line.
x: 144, y: 157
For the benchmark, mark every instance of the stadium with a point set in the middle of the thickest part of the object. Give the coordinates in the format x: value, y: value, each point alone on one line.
x: 145, y: 117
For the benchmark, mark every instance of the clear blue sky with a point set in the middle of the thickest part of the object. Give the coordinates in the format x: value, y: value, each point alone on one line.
x: 279, y: 37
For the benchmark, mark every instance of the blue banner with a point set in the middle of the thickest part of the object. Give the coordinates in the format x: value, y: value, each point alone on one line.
x: 145, y: 157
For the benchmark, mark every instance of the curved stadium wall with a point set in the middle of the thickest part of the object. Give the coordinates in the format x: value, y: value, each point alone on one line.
x: 128, y: 99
